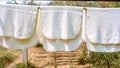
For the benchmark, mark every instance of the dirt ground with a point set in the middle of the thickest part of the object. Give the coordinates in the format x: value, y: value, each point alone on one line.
x: 43, y: 59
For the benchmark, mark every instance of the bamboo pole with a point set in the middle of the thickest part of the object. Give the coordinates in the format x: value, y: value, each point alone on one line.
x: 85, y: 20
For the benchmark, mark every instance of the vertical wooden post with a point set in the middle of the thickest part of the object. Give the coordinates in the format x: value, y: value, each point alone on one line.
x: 25, y: 56
x: 55, y: 65
x: 89, y: 54
x: 84, y: 23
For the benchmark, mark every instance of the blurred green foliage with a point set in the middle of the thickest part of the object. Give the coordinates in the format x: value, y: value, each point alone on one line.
x: 86, y: 3
x: 100, y: 59
x: 5, y: 59
x: 22, y: 65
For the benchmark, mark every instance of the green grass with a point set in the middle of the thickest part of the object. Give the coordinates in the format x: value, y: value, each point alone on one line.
x: 2, y: 49
x: 100, y: 60
x: 21, y: 65
x: 105, y: 60
x: 6, y: 59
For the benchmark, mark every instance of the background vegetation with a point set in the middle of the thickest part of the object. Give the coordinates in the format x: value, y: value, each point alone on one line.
x: 87, y: 3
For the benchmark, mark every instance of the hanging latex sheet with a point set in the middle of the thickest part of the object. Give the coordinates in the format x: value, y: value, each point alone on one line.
x: 17, y: 26
x: 103, y: 29
x: 61, y: 27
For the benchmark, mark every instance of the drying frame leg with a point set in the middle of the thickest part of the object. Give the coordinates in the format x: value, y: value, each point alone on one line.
x: 89, y: 54
x: 25, y: 56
